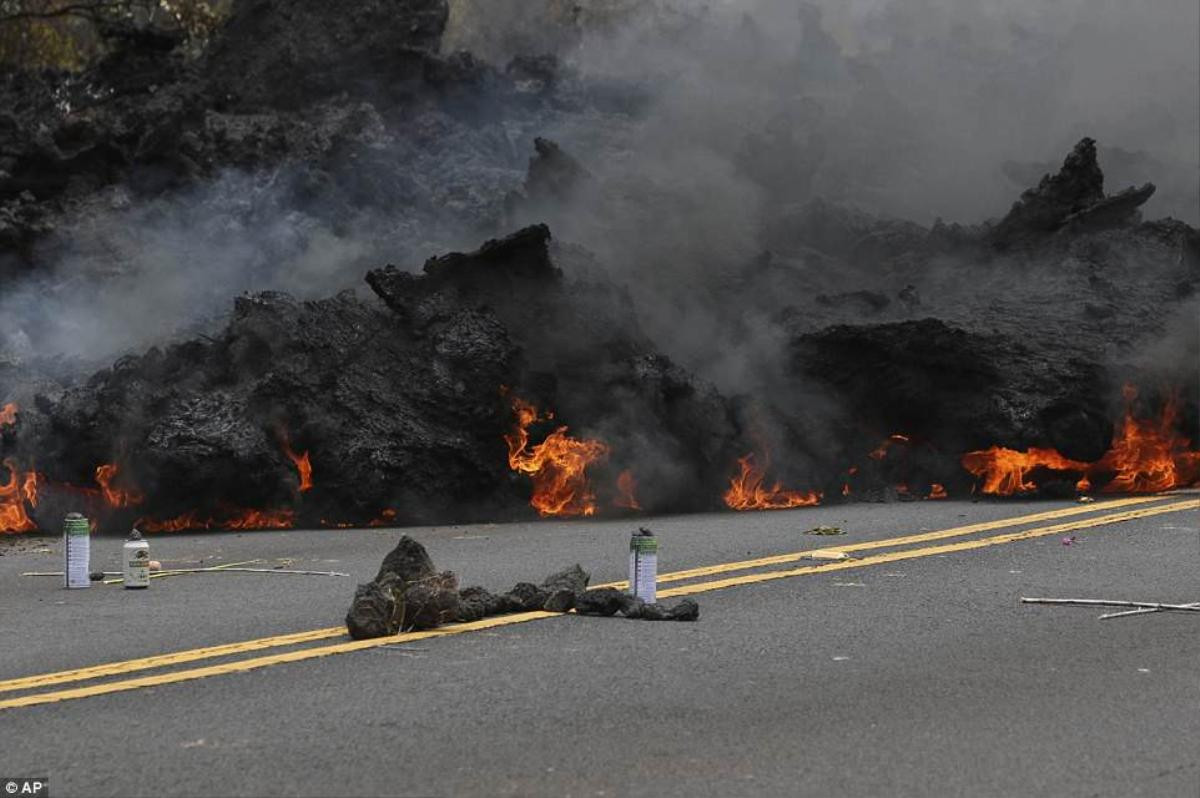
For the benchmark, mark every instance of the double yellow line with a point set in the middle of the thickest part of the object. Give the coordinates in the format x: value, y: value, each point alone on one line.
x: 298, y: 638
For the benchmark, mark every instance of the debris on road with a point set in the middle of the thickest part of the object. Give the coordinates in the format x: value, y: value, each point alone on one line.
x: 825, y: 530
x: 408, y: 594
x: 1069, y: 541
x: 1142, y: 605
x: 1139, y: 611
x: 826, y: 554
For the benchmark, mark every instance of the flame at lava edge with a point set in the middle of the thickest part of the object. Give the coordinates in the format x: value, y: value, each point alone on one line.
x: 557, y: 466
x: 1145, y: 456
x: 21, y: 489
x: 116, y: 497
x: 746, y: 491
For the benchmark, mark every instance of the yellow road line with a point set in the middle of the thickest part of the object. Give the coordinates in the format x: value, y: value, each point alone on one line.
x: 929, y: 551
x: 275, y: 659
x: 174, y: 658
x: 242, y: 666
x: 276, y: 641
x: 958, y: 531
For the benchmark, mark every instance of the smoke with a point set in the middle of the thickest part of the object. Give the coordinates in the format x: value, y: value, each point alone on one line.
x: 126, y: 272
x: 733, y: 114
x: 911, y: 109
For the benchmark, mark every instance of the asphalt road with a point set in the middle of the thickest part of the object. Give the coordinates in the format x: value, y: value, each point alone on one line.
x: 917, y: 674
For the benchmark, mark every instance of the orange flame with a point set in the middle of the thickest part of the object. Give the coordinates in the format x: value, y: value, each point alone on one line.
x: 237, y: 519
x: 1146, y: 456
x: 746, y: 491
x: 626, y: 491
x: 303, y: 464
x: 113, y: 496
x: 14, y: 494
x: 937, y: 491
x: 1005, y: 471
x: 557, y: 465
x: 8, y: 414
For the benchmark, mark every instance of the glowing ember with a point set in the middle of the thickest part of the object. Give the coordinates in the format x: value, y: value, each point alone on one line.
x: 881, y: 450
x: 386, y: 518
x: 8, y: 414
x: 557, y: 465
x: 114, y: 496
x: 937, y: 491
x: 236, y: 519
x: 301, y: 461
x: 746, y: 490
x: 19, y: 490
x: 626, y: 491
x: 1006, y: 471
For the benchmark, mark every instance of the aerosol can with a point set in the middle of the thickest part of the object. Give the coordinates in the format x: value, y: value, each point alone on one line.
x: 643, y: 565
x: 77, y: 545
x: 135, y: 561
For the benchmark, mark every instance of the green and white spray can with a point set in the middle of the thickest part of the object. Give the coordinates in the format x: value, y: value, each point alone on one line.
x: 77, y: 551
x: 643, y: 565
x: 135, y: 561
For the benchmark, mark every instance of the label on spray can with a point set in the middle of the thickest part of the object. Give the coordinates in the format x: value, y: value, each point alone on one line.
x: 77, y: 549
x: 135, y: 561
x: 643, y: 565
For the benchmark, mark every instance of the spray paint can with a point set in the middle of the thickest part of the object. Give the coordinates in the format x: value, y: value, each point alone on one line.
x: 77, y: 551
x: 643, y: 565
x: 135, y: 561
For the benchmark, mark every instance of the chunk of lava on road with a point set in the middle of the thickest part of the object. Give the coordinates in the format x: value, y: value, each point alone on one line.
x: 408, y: 594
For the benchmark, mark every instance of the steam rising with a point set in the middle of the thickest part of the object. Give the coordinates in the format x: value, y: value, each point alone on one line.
x: 733, y: 115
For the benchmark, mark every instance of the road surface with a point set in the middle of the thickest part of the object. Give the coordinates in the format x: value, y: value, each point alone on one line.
x: 909, y: 668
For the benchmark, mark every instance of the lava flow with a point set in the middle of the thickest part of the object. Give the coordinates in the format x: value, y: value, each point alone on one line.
x: 747, y: 492
x: 558, y: 465
x: 1145, y: 456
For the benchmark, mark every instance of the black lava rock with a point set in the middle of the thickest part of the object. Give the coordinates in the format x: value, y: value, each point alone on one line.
x: 604, y: 601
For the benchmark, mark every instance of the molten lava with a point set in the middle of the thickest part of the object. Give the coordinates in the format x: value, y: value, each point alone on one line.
x: 15, y: 494
x: 116, y: 497
x: 626, y: 491
x: 747, y: 491
x: 557, y: 466
x: 235, y: 519
x: 1146, y: 456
